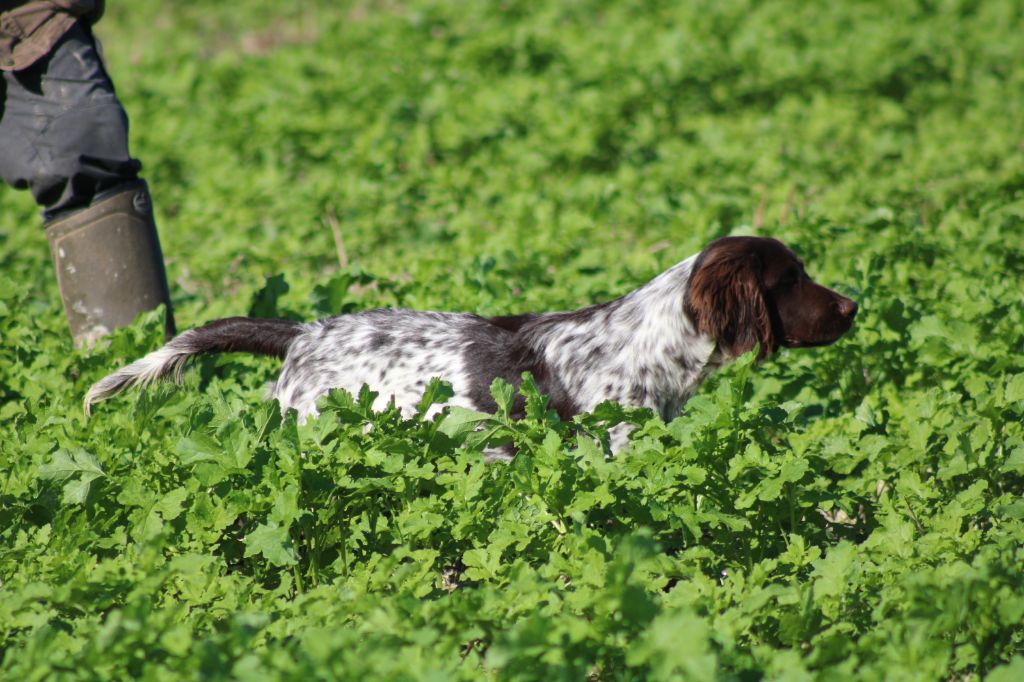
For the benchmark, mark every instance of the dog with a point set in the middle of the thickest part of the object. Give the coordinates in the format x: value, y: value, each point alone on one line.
x: 650, y: 348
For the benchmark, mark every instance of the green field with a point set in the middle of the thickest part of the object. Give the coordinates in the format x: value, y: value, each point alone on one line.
x: 850, y: 512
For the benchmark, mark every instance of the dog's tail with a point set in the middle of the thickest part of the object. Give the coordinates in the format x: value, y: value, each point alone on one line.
x: 232, y: 334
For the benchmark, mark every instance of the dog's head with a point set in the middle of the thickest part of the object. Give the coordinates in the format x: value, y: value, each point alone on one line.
x: 746, y: 291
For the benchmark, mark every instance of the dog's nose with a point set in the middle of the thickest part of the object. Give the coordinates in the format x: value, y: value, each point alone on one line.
x: 847, y: 307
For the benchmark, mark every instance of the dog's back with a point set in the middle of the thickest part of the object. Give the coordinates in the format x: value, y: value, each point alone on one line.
x: 395, y: 352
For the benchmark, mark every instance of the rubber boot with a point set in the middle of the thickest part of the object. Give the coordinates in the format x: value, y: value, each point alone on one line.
x: 109, y: 264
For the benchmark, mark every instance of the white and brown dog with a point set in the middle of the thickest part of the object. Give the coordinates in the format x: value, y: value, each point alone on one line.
x: 649, y: 348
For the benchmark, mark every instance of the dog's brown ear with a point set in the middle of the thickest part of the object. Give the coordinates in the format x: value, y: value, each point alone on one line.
x: 726, y: 300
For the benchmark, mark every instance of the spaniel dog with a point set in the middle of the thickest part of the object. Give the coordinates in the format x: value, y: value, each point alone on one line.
x: 649, y: 348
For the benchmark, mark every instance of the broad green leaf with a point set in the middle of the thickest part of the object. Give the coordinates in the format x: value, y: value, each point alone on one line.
x: 437, y: 392
x: 503, y: 393
x: 459, y: 420
x: 67, y: 463
x: 273, y: 543
x: 1015, y: 388
x: 198, y: 447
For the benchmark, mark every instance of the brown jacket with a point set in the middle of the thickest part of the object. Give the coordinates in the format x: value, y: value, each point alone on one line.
x: 30, y: 28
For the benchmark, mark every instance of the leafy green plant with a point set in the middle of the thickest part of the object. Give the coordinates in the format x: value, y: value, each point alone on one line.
x: 847, y: 512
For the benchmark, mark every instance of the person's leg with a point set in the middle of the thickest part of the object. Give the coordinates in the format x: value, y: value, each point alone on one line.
x: 65, y: 138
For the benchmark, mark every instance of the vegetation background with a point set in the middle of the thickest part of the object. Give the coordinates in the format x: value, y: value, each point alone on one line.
x: 848, y: 512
